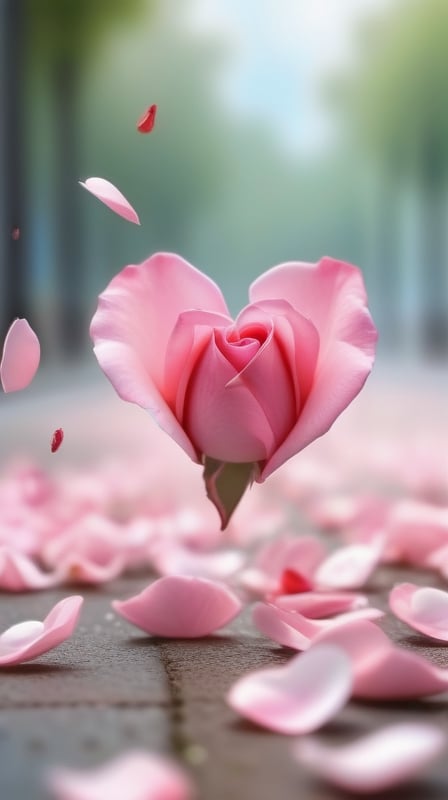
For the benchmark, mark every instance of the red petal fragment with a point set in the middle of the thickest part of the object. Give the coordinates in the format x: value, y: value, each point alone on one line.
x: 57, y: 439
x: 146, y: 122
x: 293, y: 582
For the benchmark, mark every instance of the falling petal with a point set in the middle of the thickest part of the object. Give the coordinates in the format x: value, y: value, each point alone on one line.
x: 28, y: 640
x: 21, y: 356
x: 296, y: 698
x: 112, y: 197
x: 180, y: 607
x: 147, y: 120
x: 132, y: 776
x: 56, y: 441
x: 375, y: 762
x: 15, y: 234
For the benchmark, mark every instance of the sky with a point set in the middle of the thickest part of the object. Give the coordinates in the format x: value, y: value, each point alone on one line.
x: 281, y: 51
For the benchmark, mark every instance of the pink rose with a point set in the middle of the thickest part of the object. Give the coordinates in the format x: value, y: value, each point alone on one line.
x: 239, y: 396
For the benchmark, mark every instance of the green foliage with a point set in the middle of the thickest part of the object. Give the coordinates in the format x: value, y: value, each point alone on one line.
x: 70, y: 29
x: 399, y: 98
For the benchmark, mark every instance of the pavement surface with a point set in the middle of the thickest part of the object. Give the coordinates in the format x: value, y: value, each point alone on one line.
x: 110, y: 688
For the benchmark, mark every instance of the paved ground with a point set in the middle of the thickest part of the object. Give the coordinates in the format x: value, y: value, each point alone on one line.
x: 110, y: 688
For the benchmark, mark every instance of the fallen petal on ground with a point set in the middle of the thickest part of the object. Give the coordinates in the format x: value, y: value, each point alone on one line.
x: 27, y: 640
x: 179, y: 606
x: 375, y: 762
x: 291, y: 629
x: 132, y: 776
x: 425, y: 609
x: 296, y: 698
x: 320, y: 604
x: 383, y: 671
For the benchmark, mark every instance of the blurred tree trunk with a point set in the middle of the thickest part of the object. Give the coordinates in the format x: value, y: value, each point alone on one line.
x: 70, y: 276
x: 434, y: 268
x: 14, y: 280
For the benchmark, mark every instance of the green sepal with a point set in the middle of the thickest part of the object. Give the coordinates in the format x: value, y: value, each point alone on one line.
x: 225, y: 484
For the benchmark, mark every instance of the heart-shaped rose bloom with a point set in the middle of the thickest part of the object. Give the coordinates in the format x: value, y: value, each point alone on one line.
x: 239, y: 396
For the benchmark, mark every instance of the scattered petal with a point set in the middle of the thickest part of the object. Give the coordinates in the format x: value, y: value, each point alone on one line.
x: 178, y: 606
x: 375, y: 762
x: 293, y: 582
x: 19, y: 573
x: 381, y: 670
x: 132, y: 776
x: 349, y: 567
x: 296, y: 698
x: 423, y: 608
x: 28, y: 640
x: 291, y: 629
x: 57, y: 439
x: 21, y: 356
x: 174, y: 559
x: 321, y: 604
x: 147, y: 120
x: 112, y: 197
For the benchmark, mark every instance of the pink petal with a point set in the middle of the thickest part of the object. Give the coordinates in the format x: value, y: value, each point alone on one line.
x: 381, y: 670
x: 375, y: 762
x: 19, y: 573
x: 423, y: 608
x: 320, y: 604
x: 349, y: 567
x: 292, y: 629
x: 21, y: 356
x: 111, y: 196
x: 408, y: 519
x: 28, y: 640
x: 177, y: 560
x: 331, y: 294
x: 180, y: 607
x: 132, y: 776
x: 132, y: 326
x: 296, y: 698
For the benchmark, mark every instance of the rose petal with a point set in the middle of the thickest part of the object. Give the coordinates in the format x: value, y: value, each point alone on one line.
x: 174, y: 559
x: 331, y: 294
x: 423, y: 608
x: 111, y: 197
x: 381, y: 670
x: 132, y: 776
x: 19, y: 573
x: 348, y: 567
x: 180, y: 607
x: 292, y: 629
x: 320, y: 604
x: 30, y: 639
x: 21, y: 356
x: 296, y: 698
x: 133, y: 324
x: 377, y: 761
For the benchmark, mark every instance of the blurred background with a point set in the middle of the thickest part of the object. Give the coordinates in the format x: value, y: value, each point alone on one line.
x: 286, y: 129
